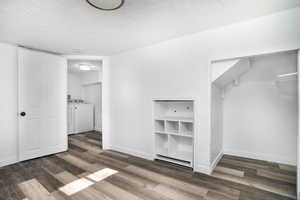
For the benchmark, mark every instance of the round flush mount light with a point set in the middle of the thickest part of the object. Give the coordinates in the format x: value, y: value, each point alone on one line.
x: 106, y: 4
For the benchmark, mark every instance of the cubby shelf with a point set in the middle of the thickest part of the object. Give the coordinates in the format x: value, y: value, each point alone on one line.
x: 159, y: 125
x: 174, y: 131
x: 178, y: 128
x: 186, y: 128
x: 172, y: 126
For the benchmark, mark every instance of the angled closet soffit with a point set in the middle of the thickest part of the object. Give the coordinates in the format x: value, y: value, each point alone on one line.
x: 229, y: 71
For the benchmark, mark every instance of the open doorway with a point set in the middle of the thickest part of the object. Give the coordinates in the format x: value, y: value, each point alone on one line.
x: 255, y: 120
x: 85, y: 103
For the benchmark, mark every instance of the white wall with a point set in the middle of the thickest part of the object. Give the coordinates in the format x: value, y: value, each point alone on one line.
x: 216, y: 124
x: 77, y: 80
x: 180, y: 68
x: 8, y: 104
x: 91, y: 77
x: 258, y: 118
x: 74, y: 86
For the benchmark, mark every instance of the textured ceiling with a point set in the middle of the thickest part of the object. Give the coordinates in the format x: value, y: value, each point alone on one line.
x: 74, y: 27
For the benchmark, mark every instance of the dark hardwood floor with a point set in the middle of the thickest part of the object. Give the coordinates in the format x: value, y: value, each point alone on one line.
x: 86, y: 172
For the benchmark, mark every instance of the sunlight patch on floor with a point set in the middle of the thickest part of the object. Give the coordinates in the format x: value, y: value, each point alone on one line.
x: 102, y: 174
x: 76, y: 186
x: 83, y: 183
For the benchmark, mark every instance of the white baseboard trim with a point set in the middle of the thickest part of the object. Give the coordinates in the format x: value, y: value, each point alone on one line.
x: 216, y: 161
x: 258, y: 156
x: 202, y: 169
x: 132, y: 152
x: 208, y: 169
x: 8, y: 161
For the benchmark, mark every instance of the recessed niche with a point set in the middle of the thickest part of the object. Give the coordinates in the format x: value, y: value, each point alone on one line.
x: 186, y: 128
x: 159, y: 125
x: 172, y: 126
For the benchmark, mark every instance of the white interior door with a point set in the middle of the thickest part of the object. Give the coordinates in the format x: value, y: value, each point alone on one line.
x: 42, y: 104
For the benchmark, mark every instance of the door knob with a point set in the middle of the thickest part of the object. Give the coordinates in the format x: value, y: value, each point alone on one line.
x: 23, y: 114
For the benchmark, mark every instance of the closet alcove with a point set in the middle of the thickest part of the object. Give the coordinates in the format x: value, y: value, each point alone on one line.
x: 254, y: 107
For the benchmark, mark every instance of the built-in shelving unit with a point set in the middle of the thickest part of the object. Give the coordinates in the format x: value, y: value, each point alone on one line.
x: 174, y: 131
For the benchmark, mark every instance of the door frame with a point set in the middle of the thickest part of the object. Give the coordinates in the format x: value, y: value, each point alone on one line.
x: 103, y: 60
x: 298, y: 164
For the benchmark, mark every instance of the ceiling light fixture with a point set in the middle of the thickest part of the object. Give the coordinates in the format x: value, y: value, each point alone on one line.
x: 85, y: 67
x: 107, y: 5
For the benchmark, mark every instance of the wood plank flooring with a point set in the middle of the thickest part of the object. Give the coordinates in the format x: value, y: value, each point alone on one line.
x: 86, y: 172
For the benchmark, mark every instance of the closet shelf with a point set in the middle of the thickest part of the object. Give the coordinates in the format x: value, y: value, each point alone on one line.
x: 288, y: 77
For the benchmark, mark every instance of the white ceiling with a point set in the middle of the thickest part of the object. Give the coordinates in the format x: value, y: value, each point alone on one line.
x: 74, y: 27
